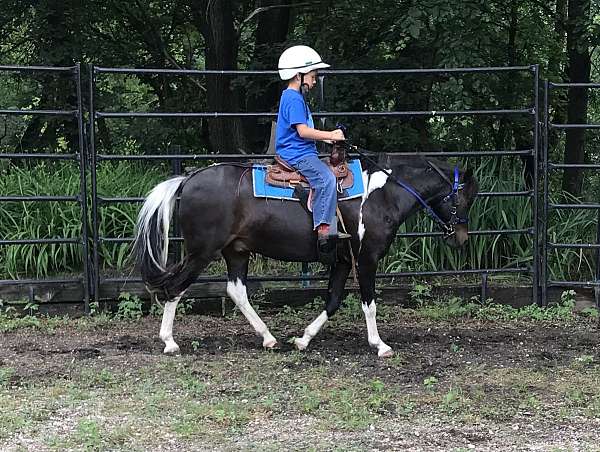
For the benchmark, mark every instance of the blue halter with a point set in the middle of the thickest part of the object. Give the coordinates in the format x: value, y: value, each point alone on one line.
x: 448, y: 228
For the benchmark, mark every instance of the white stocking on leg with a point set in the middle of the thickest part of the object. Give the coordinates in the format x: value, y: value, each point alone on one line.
x: 311, y: 331
x: 383, y: 350
x: 237, y: 292
x: 166, y: 327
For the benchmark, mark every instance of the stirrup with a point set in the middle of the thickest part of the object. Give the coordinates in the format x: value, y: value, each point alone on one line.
x: 343, y: 236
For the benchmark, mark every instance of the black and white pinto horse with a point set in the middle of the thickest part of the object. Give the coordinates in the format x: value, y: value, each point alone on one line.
x: 220, y: 217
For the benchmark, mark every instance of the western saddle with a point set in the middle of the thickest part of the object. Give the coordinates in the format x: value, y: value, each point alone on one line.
x: 281, y: 174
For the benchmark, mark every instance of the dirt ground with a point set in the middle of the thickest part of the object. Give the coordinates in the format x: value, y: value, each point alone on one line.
x: 453, y: 384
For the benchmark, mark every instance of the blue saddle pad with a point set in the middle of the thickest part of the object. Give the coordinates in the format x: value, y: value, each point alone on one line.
x: 264, y: 190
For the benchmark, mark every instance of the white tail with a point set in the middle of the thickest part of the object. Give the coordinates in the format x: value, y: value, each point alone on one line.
x: 159, y: 205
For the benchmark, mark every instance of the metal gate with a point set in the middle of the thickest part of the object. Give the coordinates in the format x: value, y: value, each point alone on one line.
x: 92, y: 278
x: 548, y: 167
x: 80, y: 198
x: 532, y: 151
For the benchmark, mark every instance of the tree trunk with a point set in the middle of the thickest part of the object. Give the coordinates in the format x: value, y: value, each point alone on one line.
x: 271, y: 33
x: 214, y: 19
x: 556, y: 58
x: 579, y: 65
x: 54, y: 38
x: 556, y: 72
x: 502, y: 139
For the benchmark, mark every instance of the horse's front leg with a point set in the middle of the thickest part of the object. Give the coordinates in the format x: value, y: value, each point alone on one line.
x: 236, y: 289
x: 335, y: 292
x: 366, y: 278
x: 237, y: 270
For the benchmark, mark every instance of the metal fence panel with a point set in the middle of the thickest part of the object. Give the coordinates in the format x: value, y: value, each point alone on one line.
x: 532, y: 112
x: 90, y: 240
x: 80, y: 198
x: 548, y: 166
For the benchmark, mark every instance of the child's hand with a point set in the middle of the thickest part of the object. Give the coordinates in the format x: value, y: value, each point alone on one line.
x: 337, y: 135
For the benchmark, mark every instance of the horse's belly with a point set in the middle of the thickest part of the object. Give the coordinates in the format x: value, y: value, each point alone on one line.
x: 285, y: 245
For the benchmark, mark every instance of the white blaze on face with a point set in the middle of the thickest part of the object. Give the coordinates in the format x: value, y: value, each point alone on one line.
x: 377, y: 180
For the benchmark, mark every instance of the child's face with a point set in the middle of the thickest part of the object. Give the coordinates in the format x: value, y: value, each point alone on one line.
x: 310, y: 79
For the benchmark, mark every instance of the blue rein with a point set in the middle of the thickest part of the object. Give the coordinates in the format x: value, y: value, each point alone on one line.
x: 447, y: 227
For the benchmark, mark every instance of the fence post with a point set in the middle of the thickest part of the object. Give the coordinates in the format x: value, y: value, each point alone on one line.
x: 83, y: 192
x: 177, y: 171
x: 544, y: 256
x: 597, y: 287
x: 536, y: 150
x: 95, y: 275
x: 321, y: 102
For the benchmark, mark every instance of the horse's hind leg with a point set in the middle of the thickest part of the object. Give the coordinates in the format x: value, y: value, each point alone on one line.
x: 178, y: 280
x: 166, y: 326
x: 237, y: 271
x: 335, y: 292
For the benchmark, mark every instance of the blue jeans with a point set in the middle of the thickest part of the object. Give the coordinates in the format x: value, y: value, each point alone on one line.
x: 322, y: 180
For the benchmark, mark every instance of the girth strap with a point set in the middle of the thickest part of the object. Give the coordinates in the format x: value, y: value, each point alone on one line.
x: 339, y: 215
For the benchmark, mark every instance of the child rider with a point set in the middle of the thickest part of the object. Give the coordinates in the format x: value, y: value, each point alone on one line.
x: 295, y: 143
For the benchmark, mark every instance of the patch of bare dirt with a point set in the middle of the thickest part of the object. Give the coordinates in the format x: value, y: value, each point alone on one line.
x: 423, y: 349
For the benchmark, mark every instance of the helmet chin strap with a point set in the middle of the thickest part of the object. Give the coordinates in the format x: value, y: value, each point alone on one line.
x: 304, y: 92
x: 303, y: 86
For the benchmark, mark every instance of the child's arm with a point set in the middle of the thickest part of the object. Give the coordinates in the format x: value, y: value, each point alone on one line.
x: 309, y: 133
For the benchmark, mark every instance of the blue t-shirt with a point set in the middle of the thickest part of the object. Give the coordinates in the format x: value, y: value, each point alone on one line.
x: 293, y: 110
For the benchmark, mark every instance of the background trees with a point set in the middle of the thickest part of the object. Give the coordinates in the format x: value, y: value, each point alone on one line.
x: 562, y: 36
x: 222, y: 34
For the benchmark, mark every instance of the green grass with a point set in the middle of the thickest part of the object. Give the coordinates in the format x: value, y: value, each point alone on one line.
x: 456, y: 307
x: 22, y: 220
x: 27, y: 220
x: 49, y: 324
x: 128, y: 410
x: 142, y: 401
x: 5, y: 375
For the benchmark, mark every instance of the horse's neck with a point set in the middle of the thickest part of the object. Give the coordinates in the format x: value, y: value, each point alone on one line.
x: 427, y: 185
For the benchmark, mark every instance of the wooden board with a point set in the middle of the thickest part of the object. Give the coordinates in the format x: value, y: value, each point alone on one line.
x: 67, y: 298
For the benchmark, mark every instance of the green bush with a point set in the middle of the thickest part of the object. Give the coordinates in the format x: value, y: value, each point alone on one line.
x: 39, y: 219
x: 23, y: 220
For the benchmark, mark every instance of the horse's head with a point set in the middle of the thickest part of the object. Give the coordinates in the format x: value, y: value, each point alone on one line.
x: 453, y: 205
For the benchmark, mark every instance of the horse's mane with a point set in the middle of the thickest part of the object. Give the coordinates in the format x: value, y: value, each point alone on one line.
x: 416, y: 161
x: 415, y: 164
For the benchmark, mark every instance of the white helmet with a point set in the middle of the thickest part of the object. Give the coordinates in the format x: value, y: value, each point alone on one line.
x: 299, y: 59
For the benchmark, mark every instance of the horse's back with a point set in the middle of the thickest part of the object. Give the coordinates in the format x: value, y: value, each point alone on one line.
x: 215, y: 184
x: 208, y: 204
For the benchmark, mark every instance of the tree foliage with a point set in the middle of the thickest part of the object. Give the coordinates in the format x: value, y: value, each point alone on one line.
x: 562, y: 36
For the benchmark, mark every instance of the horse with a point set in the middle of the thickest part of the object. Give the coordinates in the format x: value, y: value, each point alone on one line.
x: 219, y: 217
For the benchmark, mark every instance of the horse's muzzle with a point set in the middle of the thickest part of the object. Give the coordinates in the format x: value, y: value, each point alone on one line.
x: 460, y: 236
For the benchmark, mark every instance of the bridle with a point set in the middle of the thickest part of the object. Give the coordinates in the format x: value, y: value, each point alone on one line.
x: 448, y: 227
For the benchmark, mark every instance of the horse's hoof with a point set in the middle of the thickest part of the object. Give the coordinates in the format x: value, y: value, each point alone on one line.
x: 300, y: 343
x: 171, y: 349
x: 270, y: 344
x: 386, y: 352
